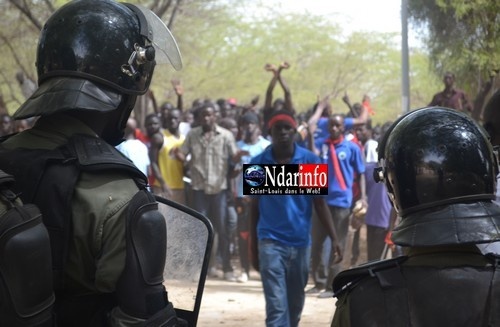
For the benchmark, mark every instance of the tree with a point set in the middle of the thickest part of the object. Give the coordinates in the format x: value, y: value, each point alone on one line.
x: 461, y: 36
x: 225, y: 58
x: 225, y: 45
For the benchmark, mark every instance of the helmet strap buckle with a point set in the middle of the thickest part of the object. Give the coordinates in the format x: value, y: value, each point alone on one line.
x: 139, y: 57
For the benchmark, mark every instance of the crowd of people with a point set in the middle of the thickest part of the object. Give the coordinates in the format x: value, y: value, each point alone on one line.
x: 193, y: 160
x: 194, y: 156
x: 107, y: 238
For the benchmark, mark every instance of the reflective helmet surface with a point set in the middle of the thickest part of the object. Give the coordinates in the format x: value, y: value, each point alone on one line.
x: 94, y: 40
x: 440, y: 172
x: 97, y: 55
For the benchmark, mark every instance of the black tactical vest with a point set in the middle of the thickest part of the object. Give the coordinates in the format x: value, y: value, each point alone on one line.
x: 48, y: 177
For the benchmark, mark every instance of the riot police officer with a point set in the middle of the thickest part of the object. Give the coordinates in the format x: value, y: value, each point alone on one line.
x: 108, y: 241
x: 440, y: 172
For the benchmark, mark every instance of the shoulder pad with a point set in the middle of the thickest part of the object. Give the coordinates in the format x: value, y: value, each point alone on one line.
x: 348, y: 279
x: 93, y: 151
x: 95, y: 154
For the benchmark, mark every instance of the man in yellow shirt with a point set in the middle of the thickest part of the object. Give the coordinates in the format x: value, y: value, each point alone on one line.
x: 171, y: 168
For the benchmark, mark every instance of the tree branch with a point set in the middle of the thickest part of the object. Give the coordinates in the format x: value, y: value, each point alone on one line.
x: 6, y: 41
x: 24, y: 8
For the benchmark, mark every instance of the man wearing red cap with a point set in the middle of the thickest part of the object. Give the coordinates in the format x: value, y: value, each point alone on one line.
x: 280, y: 229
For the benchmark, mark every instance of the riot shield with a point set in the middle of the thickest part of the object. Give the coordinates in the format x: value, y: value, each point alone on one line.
x: 190, y: 237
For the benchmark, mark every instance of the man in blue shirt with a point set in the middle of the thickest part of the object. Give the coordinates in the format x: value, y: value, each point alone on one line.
x: 345, y: 162
x: 318, y: 123
x: 280, y: 228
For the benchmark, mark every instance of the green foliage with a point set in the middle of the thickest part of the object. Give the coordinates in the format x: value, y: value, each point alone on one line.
x: 226, y: 43
x: 225, y: 58
x: 462, y: 36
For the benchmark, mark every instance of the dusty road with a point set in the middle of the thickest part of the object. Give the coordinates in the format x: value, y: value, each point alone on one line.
x: 243, y: 305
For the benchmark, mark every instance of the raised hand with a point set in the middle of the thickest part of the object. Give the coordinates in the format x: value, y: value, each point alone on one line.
x: 255, y: 100
x: 179, y: 90
x: 345, y: 98
x: 270, y: 68
x: 284, y: 65
x: 324, y: 102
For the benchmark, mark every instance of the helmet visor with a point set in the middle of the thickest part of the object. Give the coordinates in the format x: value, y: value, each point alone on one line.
x: 166, y: 49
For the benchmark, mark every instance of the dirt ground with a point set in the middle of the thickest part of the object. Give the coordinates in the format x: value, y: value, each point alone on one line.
x: 242, y: 304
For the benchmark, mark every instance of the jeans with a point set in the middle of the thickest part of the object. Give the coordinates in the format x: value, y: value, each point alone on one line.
x: 340, y: 218
x: 213, y: 206
x: 284, y: 272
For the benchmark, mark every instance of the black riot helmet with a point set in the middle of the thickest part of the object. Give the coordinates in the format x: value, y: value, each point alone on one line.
x: 95, y: 55
x: 440, y: 171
